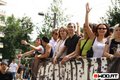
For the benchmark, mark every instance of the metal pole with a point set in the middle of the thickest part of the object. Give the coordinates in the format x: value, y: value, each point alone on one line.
x: 54, y: 20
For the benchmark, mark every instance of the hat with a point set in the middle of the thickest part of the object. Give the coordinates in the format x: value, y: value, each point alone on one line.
x: 4, y: 62
x: 45, y: 39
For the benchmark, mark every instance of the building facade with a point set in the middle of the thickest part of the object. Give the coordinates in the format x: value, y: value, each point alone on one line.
x: 2, y: 25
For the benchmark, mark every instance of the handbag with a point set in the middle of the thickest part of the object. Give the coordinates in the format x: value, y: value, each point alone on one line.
x: 90, y: 51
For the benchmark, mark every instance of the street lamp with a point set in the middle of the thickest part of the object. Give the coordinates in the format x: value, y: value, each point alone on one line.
x: 54, y: 18
x: 41, y: 14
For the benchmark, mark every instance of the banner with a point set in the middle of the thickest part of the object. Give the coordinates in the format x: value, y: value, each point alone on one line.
x: 82, y: 69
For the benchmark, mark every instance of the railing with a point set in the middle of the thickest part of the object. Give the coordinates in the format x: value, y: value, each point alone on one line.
x: 82, y: 69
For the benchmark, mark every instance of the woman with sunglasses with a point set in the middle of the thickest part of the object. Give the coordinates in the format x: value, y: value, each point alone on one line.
x: 99, y: 36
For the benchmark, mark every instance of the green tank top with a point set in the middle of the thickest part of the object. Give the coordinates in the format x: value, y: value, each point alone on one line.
x: 87, y: 46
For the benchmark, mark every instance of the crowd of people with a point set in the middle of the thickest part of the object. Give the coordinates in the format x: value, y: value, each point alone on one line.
x: 68, y: 43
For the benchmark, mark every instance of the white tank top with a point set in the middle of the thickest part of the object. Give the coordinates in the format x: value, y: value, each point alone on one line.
x: 98, y: 48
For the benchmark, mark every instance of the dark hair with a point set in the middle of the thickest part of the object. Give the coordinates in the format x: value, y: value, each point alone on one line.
x: 69, y: 24
x: 37, y: 38
x: 107, y: 27
x: 111, y: 29
x: 93, y: 26
x: 45, y: 39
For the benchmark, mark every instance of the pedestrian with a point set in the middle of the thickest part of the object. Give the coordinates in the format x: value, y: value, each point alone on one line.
x: 13, y: 67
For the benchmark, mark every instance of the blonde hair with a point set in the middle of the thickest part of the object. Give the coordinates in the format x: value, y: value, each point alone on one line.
x: 116, y: 26
x: 63, y: 29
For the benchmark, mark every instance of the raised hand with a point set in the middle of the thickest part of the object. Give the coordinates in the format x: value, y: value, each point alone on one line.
x: 88, y: 9
x: 24, y: 42
x: 19, y: 55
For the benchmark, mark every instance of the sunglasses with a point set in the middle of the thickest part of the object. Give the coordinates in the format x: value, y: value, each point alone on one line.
x: 56, y: 33
x: 102, y: 28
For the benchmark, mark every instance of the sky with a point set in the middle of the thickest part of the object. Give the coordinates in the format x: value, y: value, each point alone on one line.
x: 76, y: 8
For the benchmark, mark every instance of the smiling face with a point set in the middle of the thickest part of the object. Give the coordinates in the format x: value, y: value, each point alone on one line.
x: 37, y: 41
x: 102, y: 30
x: 71, y: 28
x: 63, y: 33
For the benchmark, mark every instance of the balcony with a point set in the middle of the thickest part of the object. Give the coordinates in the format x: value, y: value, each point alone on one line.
x: 1, y: 45
x: 2, y: 34
x: 2, y: 2
x: 2, y: 12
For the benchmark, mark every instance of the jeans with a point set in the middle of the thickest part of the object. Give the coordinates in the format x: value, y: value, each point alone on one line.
x: 14, y: 75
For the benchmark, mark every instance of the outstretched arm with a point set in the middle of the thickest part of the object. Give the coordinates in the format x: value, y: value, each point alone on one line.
x: 28, y: 53
x: 32, y: 46
x: 86, y: 26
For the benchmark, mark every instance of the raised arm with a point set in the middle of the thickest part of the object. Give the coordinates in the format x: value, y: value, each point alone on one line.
x: 78, y: 29
x: 86, y: 26
x: 32, y: 46
x: 27, y: 53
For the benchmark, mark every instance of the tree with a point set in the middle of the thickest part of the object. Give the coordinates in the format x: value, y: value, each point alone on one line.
x: 15, y: 31
x: 54, y: 13
x: 113, y: 14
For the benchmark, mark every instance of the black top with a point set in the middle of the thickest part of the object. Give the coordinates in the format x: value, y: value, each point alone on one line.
x: 6, y: 76
x: 71, y: 43
x: 113, y: 46
x: 21, y: 68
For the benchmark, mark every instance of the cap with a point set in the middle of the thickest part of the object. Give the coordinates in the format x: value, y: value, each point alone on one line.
x: 4, y: 62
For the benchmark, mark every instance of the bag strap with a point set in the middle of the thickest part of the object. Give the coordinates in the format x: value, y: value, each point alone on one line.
x: 83, y: 46
x: 93, y: 41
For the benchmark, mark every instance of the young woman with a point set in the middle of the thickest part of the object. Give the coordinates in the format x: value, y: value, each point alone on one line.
x: 36, y: 50
x: 48, y: 53
x: 63, y: 34
x: 99, y: 37
x: 112, y: 48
